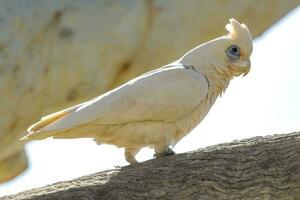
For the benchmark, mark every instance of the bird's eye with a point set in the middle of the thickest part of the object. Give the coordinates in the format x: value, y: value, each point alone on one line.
x: 233, y: 52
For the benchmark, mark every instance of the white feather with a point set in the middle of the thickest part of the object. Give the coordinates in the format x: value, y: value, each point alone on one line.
x: 166, y: 95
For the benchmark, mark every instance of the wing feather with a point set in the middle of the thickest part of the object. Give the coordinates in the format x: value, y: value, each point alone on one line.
x: 167, y: 94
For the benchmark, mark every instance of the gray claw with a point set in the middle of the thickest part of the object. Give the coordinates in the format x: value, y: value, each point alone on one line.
x: 168, y: 152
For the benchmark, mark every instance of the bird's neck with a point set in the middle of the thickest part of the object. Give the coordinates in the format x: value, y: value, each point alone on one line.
x: 218, y: 80
x: 216, y: 72
x: 217, y: 76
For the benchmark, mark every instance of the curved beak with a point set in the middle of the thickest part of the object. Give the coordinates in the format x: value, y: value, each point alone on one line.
x: 240, y: 67
x: 247, y: 67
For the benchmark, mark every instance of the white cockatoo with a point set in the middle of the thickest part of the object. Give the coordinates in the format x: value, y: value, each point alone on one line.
x: 160, y: 107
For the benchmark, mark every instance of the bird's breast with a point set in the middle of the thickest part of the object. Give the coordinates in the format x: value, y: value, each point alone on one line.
x: 186, y: 124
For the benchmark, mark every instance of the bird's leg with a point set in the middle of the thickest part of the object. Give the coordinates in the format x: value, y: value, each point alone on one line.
x: 163, y: 151
x: 130, y: 155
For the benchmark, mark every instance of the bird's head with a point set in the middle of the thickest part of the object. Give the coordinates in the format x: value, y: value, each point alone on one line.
x: 230, y: 53
x: 237, y: 46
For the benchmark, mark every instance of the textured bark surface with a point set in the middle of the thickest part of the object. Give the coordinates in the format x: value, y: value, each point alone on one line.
x: 57, y: 53
x: 255, y: 168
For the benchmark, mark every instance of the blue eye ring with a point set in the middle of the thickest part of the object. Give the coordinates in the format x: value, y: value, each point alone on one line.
x: 233, y: 52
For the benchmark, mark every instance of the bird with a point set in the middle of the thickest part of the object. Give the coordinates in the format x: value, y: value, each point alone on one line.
x: 160, y: 107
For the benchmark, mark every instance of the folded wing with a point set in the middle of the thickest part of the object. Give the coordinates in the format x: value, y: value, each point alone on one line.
x: 167, y: 94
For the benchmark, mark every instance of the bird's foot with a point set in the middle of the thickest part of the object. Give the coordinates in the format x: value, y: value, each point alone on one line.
x: 130, y: 155
x: 168, y: 152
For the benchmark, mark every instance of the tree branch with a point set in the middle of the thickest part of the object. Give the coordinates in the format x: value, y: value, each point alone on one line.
x: 256, y: 168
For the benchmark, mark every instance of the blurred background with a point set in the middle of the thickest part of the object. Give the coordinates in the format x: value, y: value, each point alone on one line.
x: 55, y: 54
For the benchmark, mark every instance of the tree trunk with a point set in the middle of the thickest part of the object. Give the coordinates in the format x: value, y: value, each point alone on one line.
x: 256, y: 168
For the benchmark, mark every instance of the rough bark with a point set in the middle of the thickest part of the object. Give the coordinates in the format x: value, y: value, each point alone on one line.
x: 256, y: 168
x: 57, y: 53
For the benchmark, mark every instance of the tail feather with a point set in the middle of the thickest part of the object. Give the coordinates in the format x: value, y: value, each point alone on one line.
x: 35, y: 131
x: 37, y: 135
x: 47, y: 120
